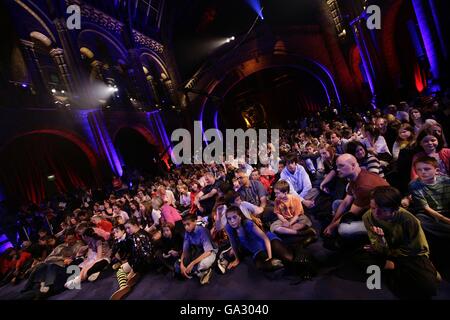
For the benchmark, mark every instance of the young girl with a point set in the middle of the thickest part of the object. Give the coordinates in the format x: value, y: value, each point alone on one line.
x: 266, y: 248
x: 366, y: 160
x: 121, y: 247
x: 185, y: 198
x: 405, y: 139
x: 432, y: 126
x: 432, y: 145
x: 139, y: 261
x: 135, y: 211
x: 168, y: 214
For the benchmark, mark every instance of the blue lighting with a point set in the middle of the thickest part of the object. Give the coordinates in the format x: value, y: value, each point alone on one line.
x: 216, y: 124
x: 256, y: 6
x: 427, y: 37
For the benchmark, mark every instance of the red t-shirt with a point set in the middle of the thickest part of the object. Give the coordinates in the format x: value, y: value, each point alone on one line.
x: 360, y: 188
x: 105, y: 226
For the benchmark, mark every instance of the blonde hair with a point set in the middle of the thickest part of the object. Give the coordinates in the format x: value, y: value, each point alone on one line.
x: 157, y: 203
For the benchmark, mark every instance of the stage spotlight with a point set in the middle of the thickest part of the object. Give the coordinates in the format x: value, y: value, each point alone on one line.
x: 230, y: 39
x: 24, y: 85
x: 256, y: 6
x: 53, y: 90
x: 62, y: 91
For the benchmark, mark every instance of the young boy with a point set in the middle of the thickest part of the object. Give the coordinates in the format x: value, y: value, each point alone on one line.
x: 199, y: 252
x: 431, y: 199
x: 289, y: 210
x: 398, y: 246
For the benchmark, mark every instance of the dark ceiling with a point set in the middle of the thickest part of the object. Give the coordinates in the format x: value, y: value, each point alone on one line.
x: 200, y: 22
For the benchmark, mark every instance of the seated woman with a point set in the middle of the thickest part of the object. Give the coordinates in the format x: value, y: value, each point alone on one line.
x: 375, y: 143
x: 366, y: 160
x: 266, y: 248
x: 432, y: 145
x: 97, y: 259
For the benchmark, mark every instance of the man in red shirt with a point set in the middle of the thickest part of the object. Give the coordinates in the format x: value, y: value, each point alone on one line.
x: 357, y: 201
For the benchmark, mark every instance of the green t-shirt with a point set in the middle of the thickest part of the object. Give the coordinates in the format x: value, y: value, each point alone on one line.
x: 403, y: 235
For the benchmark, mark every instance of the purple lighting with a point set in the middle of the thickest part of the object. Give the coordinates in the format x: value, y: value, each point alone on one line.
x: 105, y: 142
x: 216, y: 124
x: 364, y: 55
x: 157, y: 126
x: 426, y: 32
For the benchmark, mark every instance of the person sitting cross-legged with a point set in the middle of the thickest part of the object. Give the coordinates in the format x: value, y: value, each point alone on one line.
x: 199, y: 252
x: 291, y: 217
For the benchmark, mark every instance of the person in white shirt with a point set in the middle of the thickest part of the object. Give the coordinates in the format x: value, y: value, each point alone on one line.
x: 117, y: 211
x: 374, y: 141
x: 297, y: 177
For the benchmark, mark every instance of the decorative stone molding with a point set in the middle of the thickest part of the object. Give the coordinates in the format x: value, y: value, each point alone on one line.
x: 98, y: 17
x: 148, y: 42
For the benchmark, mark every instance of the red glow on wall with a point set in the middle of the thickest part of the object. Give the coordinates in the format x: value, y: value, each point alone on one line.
x: 419, y: 78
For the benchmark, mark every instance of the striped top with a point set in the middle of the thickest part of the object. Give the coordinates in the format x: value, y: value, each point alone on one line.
x: 372, y: 164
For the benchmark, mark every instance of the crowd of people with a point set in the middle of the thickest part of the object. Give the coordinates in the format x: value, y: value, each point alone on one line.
x: 376, y: 185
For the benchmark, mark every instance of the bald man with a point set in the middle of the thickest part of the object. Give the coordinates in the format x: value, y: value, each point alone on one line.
x: 357, y: 199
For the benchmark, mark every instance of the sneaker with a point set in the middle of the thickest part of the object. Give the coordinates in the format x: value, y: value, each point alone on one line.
x: 93, y: 276
x: 222, y: 264
x: 122, y: 292
x: 44, y: 288
x: 206, y: 277
x: 133, y: 280
x: 72, y: 284
x: 116, y: 266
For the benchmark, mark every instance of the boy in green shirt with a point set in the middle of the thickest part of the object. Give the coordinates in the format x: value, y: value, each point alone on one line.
x: 398, y: 246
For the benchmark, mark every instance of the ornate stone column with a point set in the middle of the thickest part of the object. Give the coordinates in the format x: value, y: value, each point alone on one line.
x: 58, y: 56
x: 34, y: 68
